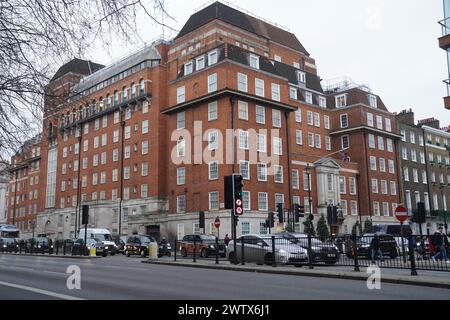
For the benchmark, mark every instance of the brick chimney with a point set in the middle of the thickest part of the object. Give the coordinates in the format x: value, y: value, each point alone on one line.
x: 431, y: 122
x: 406, y: 117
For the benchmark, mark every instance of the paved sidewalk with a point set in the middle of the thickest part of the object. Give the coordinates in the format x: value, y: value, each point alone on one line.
x: 434, y: 279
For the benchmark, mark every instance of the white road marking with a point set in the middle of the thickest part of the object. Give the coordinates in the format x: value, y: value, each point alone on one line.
x: 41, y: 291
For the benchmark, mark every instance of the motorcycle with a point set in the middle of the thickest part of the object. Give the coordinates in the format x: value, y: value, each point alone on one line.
x: 164, y: 249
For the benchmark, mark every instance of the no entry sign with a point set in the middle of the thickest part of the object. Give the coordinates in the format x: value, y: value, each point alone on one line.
x: 401, y: 213
x: 217, y: 223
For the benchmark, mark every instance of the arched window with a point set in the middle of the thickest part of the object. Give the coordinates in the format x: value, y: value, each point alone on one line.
x: 133, y: 90
x: 80, y: 113
x: 141, y: 87
x: 124, y: 94
x: 100, y: 104
x: 108, y: 101
x: 93, y: 108
x: 116, y: 98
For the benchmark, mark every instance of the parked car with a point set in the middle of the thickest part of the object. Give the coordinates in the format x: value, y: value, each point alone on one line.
x: 205, y: 246
x: 320, y: 251
x: 40, y: 245
x: 104, y: 235
x: 78, y: 247
x: 120, y: 244
x: 342, y: 242
x: 138, y: 245
x: 258, y: 249
x: 388, y: 246
x: 8, y: 245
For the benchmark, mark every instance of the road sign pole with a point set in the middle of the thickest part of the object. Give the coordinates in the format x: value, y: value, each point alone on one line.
x: 403, y: 243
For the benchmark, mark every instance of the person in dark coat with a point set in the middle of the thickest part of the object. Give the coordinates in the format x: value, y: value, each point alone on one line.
x: 227, y: 240
x: 375, y: 248
x: 439, y: 242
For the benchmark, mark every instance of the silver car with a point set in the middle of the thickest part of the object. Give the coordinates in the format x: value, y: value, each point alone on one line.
x: 258, y: 249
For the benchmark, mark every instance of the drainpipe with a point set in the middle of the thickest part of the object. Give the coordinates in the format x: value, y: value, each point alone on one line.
x: 80, y: 139
x: 367, y: 174
x: 122, y: 126
x: 286, y: 114
x: 15, y: 199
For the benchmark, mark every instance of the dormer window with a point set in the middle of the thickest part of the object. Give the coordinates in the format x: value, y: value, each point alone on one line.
x: 254, y: 61
x: 200, y: 62
x: 372, y: 101
x: 322, y: 102
x: 341, y: 101
x: 301, y: 76
x: 188, y: 68
x: 213, y: 57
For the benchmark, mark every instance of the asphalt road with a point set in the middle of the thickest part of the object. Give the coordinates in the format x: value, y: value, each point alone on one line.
x: 118, y: 277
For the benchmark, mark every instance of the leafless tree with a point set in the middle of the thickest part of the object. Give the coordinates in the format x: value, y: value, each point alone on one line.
x: 38, y: 36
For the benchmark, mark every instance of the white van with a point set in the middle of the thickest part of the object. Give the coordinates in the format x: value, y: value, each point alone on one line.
x: 102, y: 235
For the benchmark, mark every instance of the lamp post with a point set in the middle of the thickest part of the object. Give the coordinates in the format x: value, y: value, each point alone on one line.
x: 33, y: 226
x: 444, y: 213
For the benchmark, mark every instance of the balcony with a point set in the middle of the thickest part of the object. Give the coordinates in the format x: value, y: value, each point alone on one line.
x: 444, y: 40
x: 447, y: 98
x: 93, y: 114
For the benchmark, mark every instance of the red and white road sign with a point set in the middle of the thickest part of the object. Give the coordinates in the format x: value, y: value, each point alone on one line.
x: 239, y: 211
x: 401, y: 213
x: 217, y: 223
x: 239, y: 202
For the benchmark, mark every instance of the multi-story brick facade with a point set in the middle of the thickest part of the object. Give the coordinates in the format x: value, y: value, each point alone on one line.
x: 25, y: 185
x: 148, y: 140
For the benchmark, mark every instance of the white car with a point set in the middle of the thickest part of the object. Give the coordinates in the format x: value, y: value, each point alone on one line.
x: 258, y: 249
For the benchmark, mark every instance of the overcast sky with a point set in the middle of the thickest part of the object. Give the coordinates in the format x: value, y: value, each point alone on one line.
x: 390, y: 45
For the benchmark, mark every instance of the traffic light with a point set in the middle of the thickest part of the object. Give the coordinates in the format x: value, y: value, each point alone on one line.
x: 420, y: 215
x: 332, y: 215
x: 238, y: 193
x: 298, y: 212
x: 228, y: 187
x: 236, y: 220
x: 85, y: 214
x: 280, y: 213
x: 271, y: 220
x: 201, y: 218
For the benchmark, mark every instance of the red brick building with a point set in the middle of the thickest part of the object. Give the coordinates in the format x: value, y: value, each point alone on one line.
x: 147, y: 141
x: 25, y: 185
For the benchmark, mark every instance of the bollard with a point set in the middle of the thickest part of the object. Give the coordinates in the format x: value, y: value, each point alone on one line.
x: 274, y: 259
x: 242, y: 252
x: 175, y: 250
x: 355, y: 253
x: 64, y: 248
x: 194, y: 257
x: 57, y: 247
x: 217, y: 250
x: 310, y: 259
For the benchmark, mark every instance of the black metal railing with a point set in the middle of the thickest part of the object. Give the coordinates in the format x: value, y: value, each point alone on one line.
x: 354, y: 252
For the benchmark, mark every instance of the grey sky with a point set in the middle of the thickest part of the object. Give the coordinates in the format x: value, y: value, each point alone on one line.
x: 390, y: 45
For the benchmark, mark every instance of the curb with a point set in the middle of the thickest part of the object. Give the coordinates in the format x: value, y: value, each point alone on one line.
x: 49, y: 256
x: 306, y: 274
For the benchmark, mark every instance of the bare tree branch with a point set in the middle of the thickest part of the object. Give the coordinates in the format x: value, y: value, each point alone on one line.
x: 37, y: 36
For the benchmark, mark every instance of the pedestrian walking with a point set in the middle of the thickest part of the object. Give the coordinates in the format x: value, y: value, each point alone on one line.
x: 440, y: 242
x: 375, y: 248
x: 227, y: 240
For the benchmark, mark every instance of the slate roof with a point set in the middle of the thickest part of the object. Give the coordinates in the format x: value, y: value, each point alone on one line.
x: 78, y: 66
x: 244, y: 21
